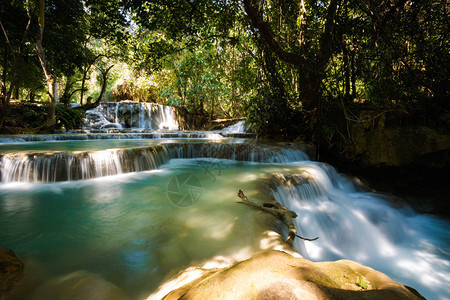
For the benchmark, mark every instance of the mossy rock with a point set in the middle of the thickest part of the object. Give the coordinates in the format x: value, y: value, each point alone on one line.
x: 272, y: 274
x: 11, y: 270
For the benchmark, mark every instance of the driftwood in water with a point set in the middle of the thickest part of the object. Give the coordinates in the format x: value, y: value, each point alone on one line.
x: 280, y: 212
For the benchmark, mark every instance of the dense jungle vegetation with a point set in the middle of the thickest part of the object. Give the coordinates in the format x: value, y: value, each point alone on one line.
x: 304, y: 69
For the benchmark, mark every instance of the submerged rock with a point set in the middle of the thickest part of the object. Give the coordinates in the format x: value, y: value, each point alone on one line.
x: 11, y: 269
x: 79, y: 285
x: 274, y: 274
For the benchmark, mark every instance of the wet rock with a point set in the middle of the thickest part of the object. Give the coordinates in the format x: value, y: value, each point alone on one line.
x: 11, y: 269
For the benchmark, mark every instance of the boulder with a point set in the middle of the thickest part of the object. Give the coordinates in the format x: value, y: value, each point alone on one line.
x: 272, y: 274
x: 11, y: 269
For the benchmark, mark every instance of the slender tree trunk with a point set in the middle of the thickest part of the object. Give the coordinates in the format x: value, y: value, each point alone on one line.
x: 89, y: 105
x: 4, y: 93
x: 16, y: 67
x: 346, y: 71
x: 83, y: 83
x: 5, y: 65
x: 52, y: 85
x: 353, y: 72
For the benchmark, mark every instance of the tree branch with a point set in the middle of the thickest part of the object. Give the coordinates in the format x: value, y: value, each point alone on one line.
x: 266, y: 33
x: 280, y: 212
x: 88, y: 106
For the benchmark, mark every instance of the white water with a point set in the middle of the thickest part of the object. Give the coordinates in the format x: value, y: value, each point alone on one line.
x: 119, y: 115
x: 410, y: 248
x: 239, y: 127
x: 79, y: 165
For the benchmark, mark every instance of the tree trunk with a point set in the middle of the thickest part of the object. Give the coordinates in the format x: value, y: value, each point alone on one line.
x: 89, y: 105
x: 16, y: 93
x: 17, y: 62
x: 52, y: 85
x: 346, y: 71
x: 5, y: 65
x: 353, y: 73
x: 83, y: 83
x: 311, y: 73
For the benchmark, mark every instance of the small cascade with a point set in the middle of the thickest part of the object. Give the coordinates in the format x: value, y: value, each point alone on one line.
x: 118, y: 115
x: 110, y: 134
x: 42, y: 167
x: 239, y: 127
x: 96, y: 120
x: 364, y: 227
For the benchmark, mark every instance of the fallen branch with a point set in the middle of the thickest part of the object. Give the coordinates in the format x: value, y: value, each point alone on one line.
x: 280, y: 212
x: 307, y: 239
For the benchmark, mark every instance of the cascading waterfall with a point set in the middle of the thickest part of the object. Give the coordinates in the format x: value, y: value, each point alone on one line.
x: 352, y: 224
x: 143, y: 115
x: 239, y: 127
x: 42, y: 167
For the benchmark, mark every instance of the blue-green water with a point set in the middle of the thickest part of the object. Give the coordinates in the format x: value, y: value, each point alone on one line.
x: 127, y: 229
x: 134, y: 231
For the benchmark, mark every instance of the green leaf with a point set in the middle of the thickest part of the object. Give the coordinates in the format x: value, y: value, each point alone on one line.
x: 361, y: 283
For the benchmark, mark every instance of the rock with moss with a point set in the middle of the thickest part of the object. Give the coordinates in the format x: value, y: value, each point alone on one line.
x: 397, y: 146
x: 272, y: 274
x: 11, y: 270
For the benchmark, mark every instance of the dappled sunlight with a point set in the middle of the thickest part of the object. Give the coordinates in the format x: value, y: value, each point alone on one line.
x: 271, y: 240
x: 431, y: 270
x: 365, y: 228
x: 186, y: 276
x: 211, y: 226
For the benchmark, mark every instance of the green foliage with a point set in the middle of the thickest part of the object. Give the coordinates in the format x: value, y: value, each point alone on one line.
x: 211, y: 58
x: 32, y: 115
x: 68, y: 117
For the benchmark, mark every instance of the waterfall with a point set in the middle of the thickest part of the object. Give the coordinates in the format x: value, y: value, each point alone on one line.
x: 239, y: 127
x: 109, y: 115
x: 364, y: 227
x: 43, y: 167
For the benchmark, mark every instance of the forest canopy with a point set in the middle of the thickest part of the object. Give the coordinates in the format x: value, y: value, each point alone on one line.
x: 291, y: 67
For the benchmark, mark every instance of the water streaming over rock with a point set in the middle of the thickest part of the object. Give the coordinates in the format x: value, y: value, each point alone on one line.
x: 366, y: 227
x: 52, y: 167
x: 118, y: 115
x: 239, y: 127
x: 126, y: 229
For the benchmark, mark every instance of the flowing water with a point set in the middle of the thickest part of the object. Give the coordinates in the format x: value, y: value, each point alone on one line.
x: 118, y: 115
x: 126, y: 215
